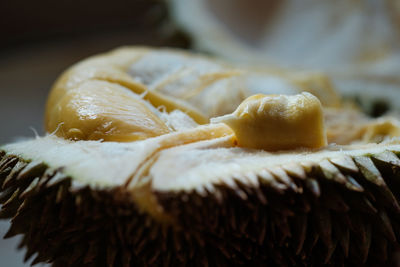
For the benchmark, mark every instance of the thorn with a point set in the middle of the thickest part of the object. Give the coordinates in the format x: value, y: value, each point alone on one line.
x: 6, y: 194
x: 333, y: 173
x: 57, y: 178
x: 366, y: 243
x: 330, y: 250
x: 372, y: 174
x: 345, y: 162
x: 30, y: 188
x: 334, y: 200
x: 284, y: 178
x: 355, y: 184
x: 369, y: 171
x: 14, y: 172
x: 300, y: 230
x: 295, y: 170
x: 266, y: 178
x: 11, y: 199
x: 345, y: 241
x: 387, y: 226
x: 33, y: 169
x: 388, y: 157
x: 8, y: 162
x: 322, y: 219
x: 313, y: 186
x: 260, y: 196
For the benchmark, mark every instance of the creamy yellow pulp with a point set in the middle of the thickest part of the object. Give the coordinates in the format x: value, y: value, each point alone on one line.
x: 276, y: 122
x: 97, y: 100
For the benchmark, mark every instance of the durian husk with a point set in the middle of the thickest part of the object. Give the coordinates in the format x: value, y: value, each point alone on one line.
x: 337, y: 206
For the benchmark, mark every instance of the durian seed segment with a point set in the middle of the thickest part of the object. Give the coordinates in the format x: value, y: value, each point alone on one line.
x: 278, y: 122
x: 96, y: 110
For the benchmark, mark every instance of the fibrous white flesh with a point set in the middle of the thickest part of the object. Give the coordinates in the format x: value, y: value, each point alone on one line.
x: 180, y: 168
x: 105, y: 163
x: 199, y: 164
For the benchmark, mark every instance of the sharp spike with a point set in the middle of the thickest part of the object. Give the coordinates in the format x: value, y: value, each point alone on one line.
x: 13, y: 231
x: 312, y: 240
x: 382, y: 247
x: 210, y: 188
x: 260, y: 196
x: 300, y: 231
x: 266, y: 178
x: 38, y: 259
x: 362, y: 204
x: 8, y: 162
x: 369, y: 171
x: 333, y: 173
x: 388, y: 157
x: 30, y: 188
x: 365, y: 244
x: 6, y: 166
x: 6, y: 194
x: 4, y: 173
x: 387, y: 226
x: 282, y: 176
x: 295, y: 170
x: 201, y: 191
x: 11, y: 178
x: 252, y: 179
x: 354, y: 183
x: 330, y: 250
x: 345, y: 241
x: 322, y: 220
x: 263, y: 231
x: 372, y: 174
x: 33, y: 169
x: 59, y: 177
x: 313, y: 186
x: 345, y: 162
x: 30, y: 251
x: 90, y: 255
x: 333, y: 200
x: 13, y: 197
x: 237, y: 189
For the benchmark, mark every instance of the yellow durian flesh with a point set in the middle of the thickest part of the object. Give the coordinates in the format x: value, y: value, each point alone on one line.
x: 278, y: 122
x: 97, y: 99
x: 138, y: 73
x: 99, y: 110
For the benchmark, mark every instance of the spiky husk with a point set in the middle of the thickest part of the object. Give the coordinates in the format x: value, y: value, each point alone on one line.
x: 341, y: 212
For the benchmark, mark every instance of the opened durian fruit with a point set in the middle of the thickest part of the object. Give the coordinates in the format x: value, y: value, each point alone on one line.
x: 162, y: 157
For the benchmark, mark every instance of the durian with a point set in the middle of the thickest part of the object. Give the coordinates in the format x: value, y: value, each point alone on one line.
x: 131, y: 172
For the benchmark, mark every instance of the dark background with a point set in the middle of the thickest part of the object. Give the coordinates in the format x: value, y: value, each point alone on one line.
x: 40, y: 39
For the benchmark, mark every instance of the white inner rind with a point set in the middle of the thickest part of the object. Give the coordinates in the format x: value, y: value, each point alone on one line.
x: 99, y: 164
x: 181, y: 168
x: 196, y: 165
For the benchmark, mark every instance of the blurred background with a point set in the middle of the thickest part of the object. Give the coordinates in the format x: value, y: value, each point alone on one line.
x: 356, y: 43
